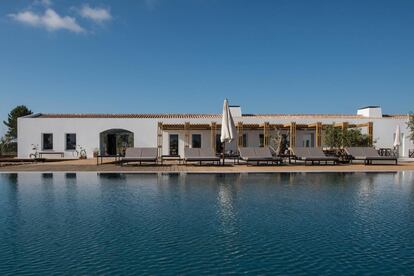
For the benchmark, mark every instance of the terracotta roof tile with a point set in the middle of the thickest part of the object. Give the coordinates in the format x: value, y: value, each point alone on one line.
x: 132, y: 116
x: 207, y: 116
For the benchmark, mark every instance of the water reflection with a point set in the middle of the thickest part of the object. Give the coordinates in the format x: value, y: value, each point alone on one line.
x: 227, y: 193
x: 80, y: 223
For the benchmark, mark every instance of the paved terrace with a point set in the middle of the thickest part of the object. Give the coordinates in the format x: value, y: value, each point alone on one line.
x: 89, y: 165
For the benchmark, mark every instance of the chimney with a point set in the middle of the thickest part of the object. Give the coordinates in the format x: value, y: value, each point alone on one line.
x: 370, y: 111
x: 235, y: 110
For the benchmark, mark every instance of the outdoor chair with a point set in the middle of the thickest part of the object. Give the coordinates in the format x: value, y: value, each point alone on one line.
x: 140, y: 155
x: 313, y: 155
x: 368, y: 154
x: 259, y: 155
x: 200, y: 155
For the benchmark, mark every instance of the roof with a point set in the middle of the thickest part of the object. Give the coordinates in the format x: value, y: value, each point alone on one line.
x: 370, y: 106
x: 127, y: 116
x: 199, y: 116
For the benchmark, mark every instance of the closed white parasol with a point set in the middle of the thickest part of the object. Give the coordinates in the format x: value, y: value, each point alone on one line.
x: 228, y: 129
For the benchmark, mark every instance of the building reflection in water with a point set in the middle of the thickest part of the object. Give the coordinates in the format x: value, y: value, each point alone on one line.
x: 227, y: 185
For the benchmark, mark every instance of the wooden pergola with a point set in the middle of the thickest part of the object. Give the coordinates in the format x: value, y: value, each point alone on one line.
x: 266, y: 127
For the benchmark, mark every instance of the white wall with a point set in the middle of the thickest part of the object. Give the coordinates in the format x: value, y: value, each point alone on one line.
x: 87, y: 132
x: 145, y: 130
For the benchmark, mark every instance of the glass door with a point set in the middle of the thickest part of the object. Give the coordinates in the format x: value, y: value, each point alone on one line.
x: 173, y: 144
x: 308, y: 141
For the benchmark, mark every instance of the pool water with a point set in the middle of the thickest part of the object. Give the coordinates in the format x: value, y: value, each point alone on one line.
x: 288, y: 223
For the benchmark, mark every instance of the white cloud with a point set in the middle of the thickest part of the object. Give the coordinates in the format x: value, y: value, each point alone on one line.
x: 50, y: 20
x: 96, y: 14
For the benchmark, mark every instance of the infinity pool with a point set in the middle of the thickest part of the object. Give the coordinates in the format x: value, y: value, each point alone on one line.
x: 297, y: 223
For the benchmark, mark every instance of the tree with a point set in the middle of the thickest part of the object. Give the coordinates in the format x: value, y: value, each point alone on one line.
x: 354, y: 138
x: 410, y: 125
x: 336, y: 137
x: 333, y: 136
x: 7, y: 147
x: 279, y: 142
x: 11, y: 123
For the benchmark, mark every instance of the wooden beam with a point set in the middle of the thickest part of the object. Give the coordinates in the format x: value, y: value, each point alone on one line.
x: 159, y: 139
x: 186, y: 134
x: 318, y: 127
x: 266, y: 134
x: 213, y: 135
x: 344, y: 126
x: 278, y: 126
x: 251, y: 126
x: 240, y: 134
x: 362, y: 125
x: 371, y: 133
x: 292, y: 135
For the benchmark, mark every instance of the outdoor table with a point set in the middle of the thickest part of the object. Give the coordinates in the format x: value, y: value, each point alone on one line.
x: 102, y: 156
x: 234, y: 157
x: 386, y: 152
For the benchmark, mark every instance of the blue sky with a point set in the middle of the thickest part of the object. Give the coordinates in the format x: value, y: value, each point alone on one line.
x: 151, y: 56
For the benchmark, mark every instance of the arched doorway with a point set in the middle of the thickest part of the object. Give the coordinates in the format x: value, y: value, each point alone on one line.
x: 114, y: 141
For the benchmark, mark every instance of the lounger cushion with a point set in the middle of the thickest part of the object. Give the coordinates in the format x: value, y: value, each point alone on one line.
x: 191, y: 152
x: 132, y: 152
x: 207, y: 153
x: 257, y: 154
x: 263, y: 152
x: 247, y: 153
x: 312, y: 154
x: 149, y: 153
x: 140, y: 154
x: 382, y: 158
x: 200, y: 154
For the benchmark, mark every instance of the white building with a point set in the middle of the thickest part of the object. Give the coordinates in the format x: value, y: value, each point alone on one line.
x: 108, y: 133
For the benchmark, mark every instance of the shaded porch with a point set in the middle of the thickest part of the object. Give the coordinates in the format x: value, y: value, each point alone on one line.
x: 264, y: 129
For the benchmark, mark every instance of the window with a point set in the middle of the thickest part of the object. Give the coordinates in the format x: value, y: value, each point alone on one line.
x: 173, y: 144
x: 70, y: 141
x: 245, y: 140
x: 261, y: 140
x: 308, y: 140
x: 47, y: 141
x: 196, y: 141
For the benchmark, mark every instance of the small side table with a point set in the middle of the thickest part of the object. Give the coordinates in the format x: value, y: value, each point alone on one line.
x: 234, y: 157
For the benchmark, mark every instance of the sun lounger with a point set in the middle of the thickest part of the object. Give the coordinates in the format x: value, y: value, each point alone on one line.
x: 140, y: 155
x: 200, y: 155
x: 368, y: 154
x: 258, y: 155
x: 312, y: 155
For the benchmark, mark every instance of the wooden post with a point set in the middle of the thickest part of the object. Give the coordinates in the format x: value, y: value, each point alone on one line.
x: 186, y: 134
x: 213, y: 135
x: 240, y: 134
x: 318, y: 134
x: 371, y: 133
x: 344, y: 129
x: 292, y: 135
x: 266, y: 134
x: 159, y: 139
